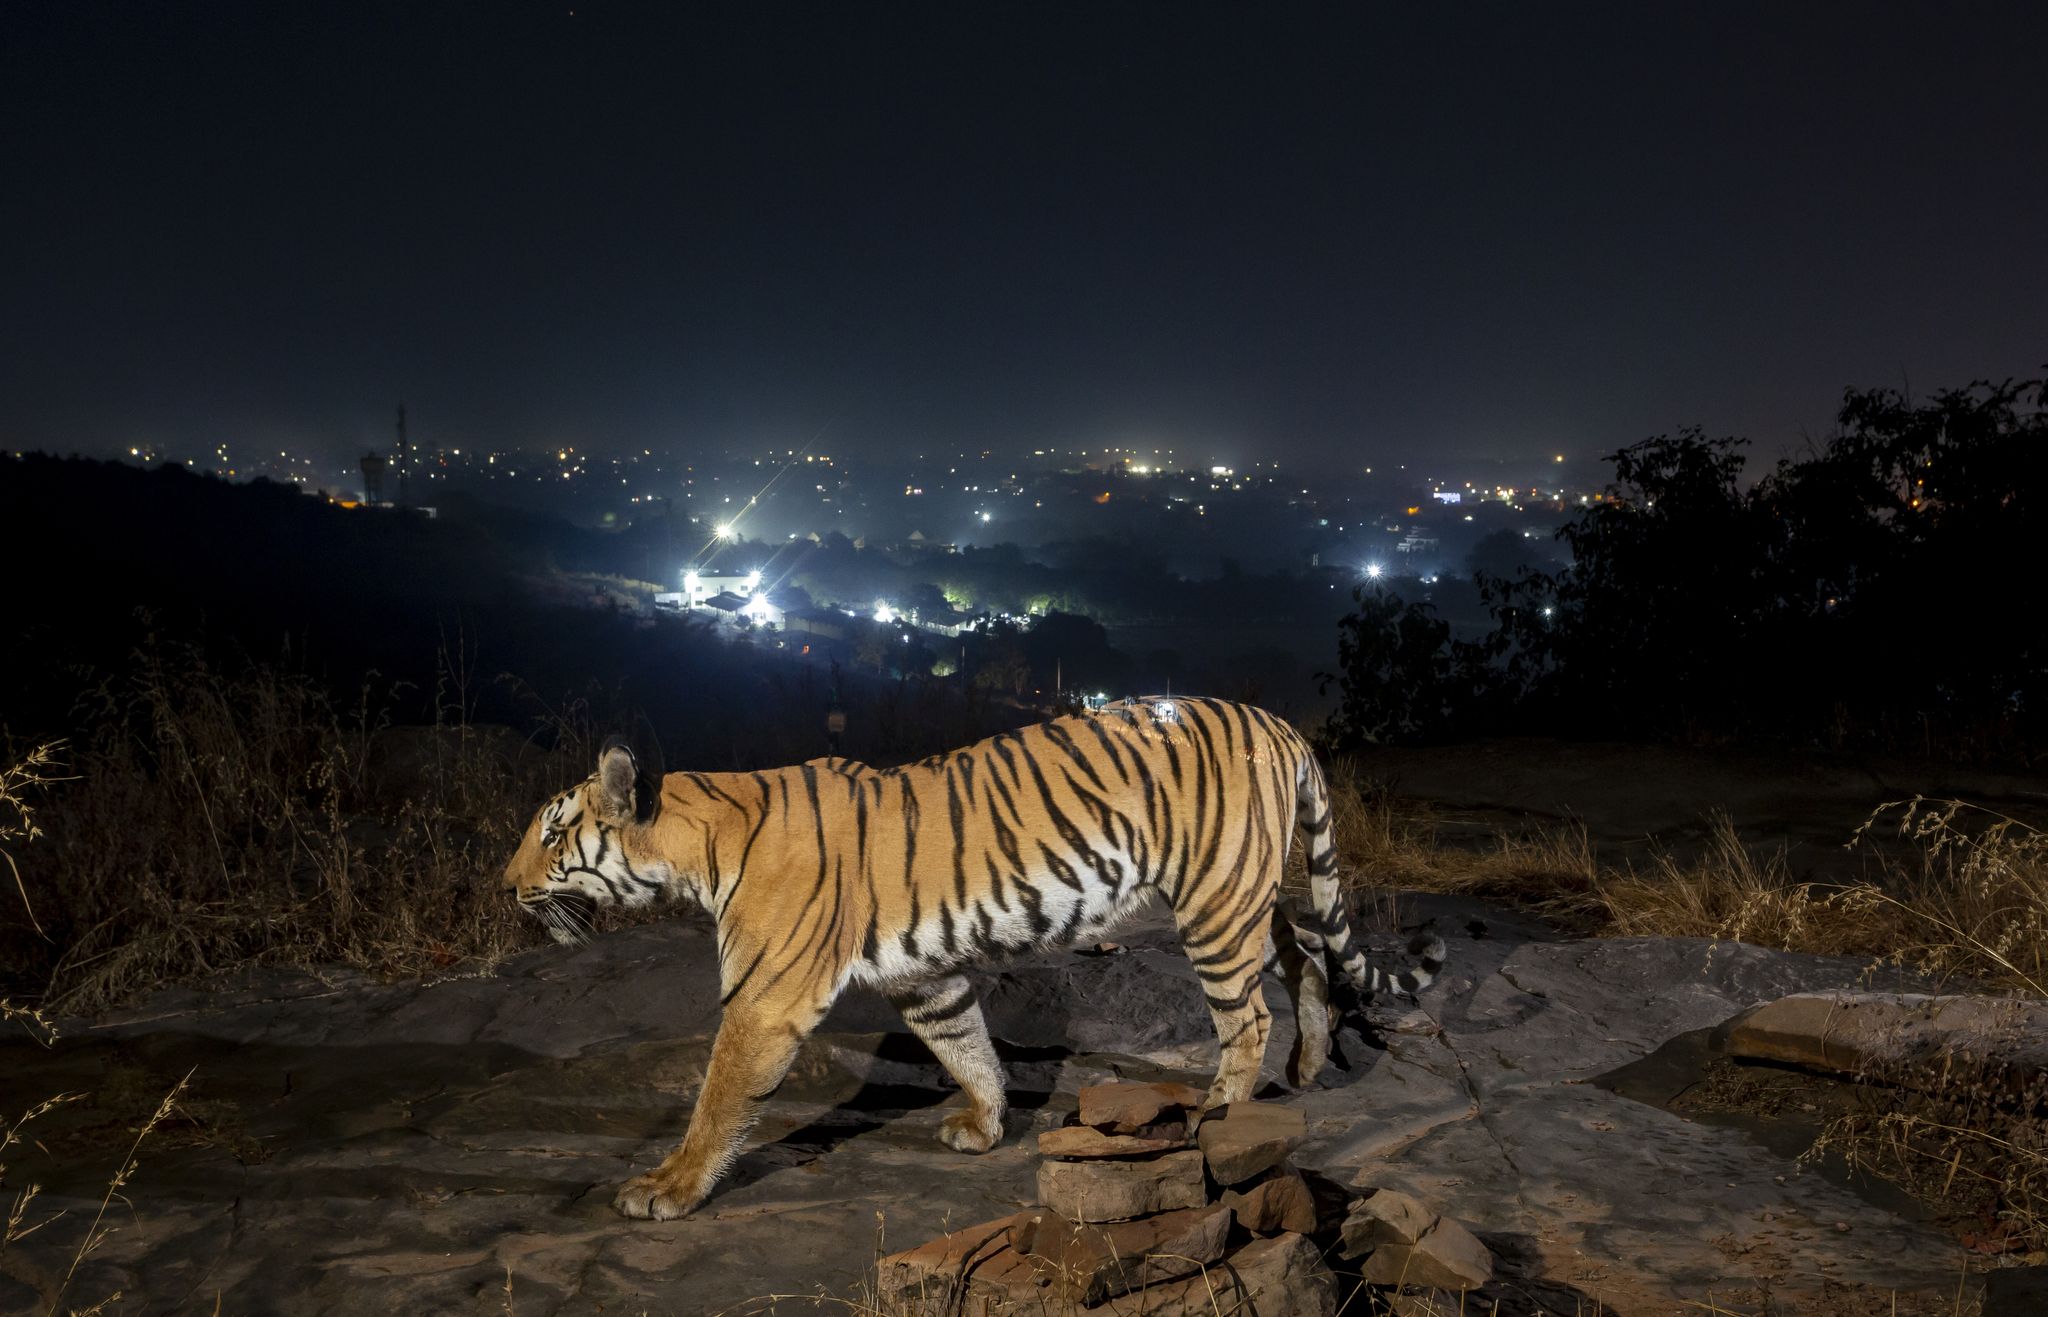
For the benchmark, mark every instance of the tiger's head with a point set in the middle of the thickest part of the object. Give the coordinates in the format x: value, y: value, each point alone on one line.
x: 591, y: 846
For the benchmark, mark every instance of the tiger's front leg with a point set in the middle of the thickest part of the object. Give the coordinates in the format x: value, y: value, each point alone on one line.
x: 946, y: 1014
x: 749, y: 1058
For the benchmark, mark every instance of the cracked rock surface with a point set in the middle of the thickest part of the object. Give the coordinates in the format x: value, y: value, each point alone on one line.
x: 352, y: 1147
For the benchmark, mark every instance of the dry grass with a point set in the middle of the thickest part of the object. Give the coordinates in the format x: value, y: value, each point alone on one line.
x: 1969, y: 905
x: 25, y: 1218
x: 218, y: 821
x: 1392, y: 842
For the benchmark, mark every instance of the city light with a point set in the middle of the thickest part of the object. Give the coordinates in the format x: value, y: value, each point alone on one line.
x: 753, y: 580
x: 884, y: 613
x: 727, y: 531
x: 1374, y: 570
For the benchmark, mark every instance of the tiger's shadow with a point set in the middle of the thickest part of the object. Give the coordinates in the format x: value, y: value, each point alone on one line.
x: 1033, y: 1074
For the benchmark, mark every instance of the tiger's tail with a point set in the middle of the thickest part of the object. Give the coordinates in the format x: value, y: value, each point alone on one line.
x: 1329, y: 921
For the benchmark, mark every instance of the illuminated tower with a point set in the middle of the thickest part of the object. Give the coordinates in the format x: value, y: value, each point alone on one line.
x: 404, y: 463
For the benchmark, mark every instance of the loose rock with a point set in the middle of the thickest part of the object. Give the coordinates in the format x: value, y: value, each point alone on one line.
x: 1447, y: 1257
x: 1384, y: 1216
x: 1078, y: 1141
x: 1279, y: 1205
x: 1128, y: 1108
x: 1279, y: 1277
x: 1086, y: 1264
x: 938, y: 1268
x: 1246, y: 1138
x: 1405, y: 1243
x: 1119, y: 1190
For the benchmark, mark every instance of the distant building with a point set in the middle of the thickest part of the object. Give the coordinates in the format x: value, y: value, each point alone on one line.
x: 699, y: 588
x: 920, y: 543
x: 757, y: 608
x: 950, y: 622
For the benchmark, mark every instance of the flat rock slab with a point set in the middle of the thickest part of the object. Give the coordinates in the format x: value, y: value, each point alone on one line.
x: 1897, y: 1037
x: 347, y: 1146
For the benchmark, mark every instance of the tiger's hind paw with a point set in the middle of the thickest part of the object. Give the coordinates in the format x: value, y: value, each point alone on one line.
x: 971, y: 1131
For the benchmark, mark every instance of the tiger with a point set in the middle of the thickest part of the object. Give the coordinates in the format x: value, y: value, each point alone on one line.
x: 829, y: 873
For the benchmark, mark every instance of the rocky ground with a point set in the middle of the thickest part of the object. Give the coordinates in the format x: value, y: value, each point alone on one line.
x: 351, y: 1147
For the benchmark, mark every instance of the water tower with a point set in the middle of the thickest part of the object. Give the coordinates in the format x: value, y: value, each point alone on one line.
x: 373, y: 477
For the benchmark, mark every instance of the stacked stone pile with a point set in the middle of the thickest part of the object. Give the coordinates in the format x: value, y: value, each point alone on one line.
x: 1148, y: 1207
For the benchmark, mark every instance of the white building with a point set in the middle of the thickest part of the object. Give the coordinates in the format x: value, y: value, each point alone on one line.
x: 699, y: 587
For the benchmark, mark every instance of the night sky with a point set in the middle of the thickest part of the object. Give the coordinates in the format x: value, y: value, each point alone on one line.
x: 1333, y: 234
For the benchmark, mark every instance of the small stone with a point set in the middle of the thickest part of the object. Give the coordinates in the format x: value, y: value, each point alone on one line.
x: 1119, y: 1190
x: 1128, y: 1108
x: 1279, y: 1205
x: 1447, y: 1257
x: 1283, y: 1276
x: 1382, y: 1217
x: 1245, y: 1138
x: 1088, y: 1263
x: 1081, y: 1141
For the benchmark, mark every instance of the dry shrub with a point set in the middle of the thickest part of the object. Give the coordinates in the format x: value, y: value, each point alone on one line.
x: 219, y: 821
x: 1970, y: 902
x: 1733, y: 891
x: 1958, y: 1138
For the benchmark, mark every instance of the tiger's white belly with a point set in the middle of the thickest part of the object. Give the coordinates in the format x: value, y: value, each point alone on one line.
x: 1090, y: 913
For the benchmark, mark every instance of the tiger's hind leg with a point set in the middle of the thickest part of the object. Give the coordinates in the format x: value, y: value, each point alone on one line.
x: 1228, y: 950
x: 946, y: 1015
x: 1298, y: 959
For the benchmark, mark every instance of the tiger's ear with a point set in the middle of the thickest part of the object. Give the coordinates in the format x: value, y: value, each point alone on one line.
x: 618, y: 777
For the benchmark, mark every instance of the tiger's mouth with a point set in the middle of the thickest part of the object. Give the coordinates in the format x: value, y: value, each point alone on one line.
x: 568, y: 917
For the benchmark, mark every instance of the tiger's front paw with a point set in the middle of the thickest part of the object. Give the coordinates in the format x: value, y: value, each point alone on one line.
x: 971, y: 1130
x: 652, y: 1197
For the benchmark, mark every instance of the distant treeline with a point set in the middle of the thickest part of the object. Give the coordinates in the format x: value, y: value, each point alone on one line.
x: 1880, y: 592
